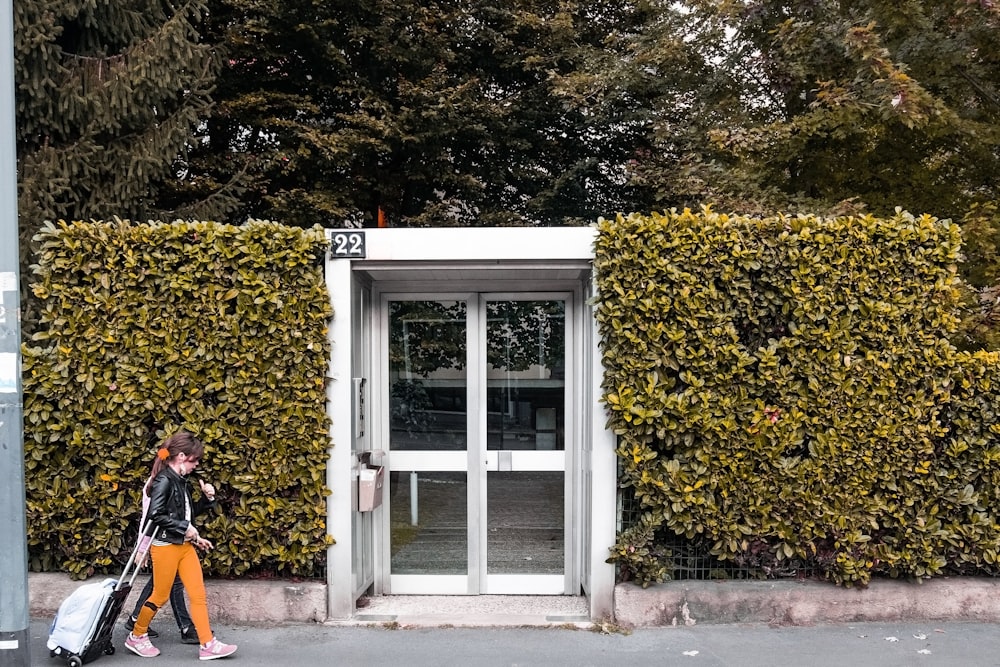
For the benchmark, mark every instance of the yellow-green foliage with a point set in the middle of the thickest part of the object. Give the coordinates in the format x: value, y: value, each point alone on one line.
x: 784, y: 389
x: 147, y: 328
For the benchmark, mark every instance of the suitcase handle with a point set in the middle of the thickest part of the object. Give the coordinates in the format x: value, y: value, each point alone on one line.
x: 138, y: 554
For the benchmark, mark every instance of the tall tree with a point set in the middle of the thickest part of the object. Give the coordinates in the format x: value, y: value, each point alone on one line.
x: 850, y: 104
x: 435, y: 113
x: 108, y: 95
x: 669, y: 68
x: 825, y: 106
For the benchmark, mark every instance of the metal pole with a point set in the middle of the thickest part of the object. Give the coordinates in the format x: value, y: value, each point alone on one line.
x: 14, y: 645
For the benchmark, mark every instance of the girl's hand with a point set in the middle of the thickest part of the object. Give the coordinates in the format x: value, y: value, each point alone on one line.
x: 191, y: 534
x: 203, y: 544
x: 207, y: 489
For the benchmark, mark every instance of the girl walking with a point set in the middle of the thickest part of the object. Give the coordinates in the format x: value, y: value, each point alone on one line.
x: 172, y: 510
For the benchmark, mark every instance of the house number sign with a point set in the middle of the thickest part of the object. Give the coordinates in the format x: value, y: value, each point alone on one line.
x: 347, y: 245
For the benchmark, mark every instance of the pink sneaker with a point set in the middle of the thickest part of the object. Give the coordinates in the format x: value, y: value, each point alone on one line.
x: 215, y: 649
x: 141, y: 646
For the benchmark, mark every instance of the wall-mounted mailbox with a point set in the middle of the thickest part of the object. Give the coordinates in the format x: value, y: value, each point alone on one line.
x: 370, y: 481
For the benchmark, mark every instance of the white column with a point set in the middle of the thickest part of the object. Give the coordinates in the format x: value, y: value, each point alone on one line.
x: 339, y: 579
x: 604, y: 483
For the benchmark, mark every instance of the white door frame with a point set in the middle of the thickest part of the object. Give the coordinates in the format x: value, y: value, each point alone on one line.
x: 477, y: 462
x: 485, y: 249
x: 557, y: 460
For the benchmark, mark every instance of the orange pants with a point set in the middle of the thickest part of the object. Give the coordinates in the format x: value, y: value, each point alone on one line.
x: 169, y: 561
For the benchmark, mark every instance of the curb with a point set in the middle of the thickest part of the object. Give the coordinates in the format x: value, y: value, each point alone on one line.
x: 789, y: 603
x: 238, y: 602
x: 675, y: 603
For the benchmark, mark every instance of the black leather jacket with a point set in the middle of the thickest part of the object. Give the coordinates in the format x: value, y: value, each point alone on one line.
x: 166, y: 506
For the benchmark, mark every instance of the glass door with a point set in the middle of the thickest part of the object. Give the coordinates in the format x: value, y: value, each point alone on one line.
x: 524, y: 526
x: 429, y: 422
x: 477, y: 455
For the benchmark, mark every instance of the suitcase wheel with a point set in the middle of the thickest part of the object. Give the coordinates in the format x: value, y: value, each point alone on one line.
x: 109, y: 650
x: 74, y: 661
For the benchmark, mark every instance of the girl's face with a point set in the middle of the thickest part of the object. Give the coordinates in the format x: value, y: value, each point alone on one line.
x: 186, y: 464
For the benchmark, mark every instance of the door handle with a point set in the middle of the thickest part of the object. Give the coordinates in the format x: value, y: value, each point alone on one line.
x: 501, y: 461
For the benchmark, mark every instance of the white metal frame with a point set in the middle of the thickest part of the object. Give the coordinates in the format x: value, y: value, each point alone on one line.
x: 485, y: 249
x: 477, y: 462
x: 443, y: 461
x: 561, y: 460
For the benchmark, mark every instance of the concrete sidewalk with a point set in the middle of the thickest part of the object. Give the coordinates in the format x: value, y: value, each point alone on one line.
x: 721, y: 645
x: 677, y: 603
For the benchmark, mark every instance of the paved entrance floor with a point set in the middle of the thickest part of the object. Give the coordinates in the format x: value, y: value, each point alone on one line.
x: 473, y: 610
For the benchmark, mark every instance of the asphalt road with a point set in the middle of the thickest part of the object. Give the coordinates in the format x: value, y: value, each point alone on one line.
x: 856, y: 645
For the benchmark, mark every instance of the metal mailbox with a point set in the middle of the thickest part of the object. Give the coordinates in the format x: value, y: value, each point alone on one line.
x: 370, y: 481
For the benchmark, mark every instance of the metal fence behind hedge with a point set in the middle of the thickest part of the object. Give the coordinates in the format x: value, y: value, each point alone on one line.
x: 692, y: 559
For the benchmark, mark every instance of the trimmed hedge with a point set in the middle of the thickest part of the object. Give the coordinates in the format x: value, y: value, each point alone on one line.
x: 144, y: 329
x: 784, y: 389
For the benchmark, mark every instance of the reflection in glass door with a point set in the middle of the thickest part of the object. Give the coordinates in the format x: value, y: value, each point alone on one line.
x: 524, y: 527
x: 477, y: 414
x: 428, y: 444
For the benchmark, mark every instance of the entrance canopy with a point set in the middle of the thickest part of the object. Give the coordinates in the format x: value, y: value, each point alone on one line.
x: 494, y: 452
